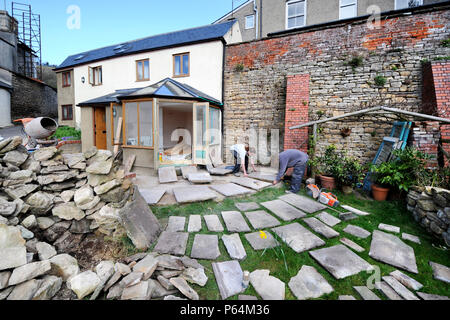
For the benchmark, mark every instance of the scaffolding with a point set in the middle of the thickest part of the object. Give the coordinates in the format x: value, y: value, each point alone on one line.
x: 29, y: 36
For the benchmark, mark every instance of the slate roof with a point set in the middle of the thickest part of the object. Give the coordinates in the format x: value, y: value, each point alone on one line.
x: 172, y: 39
x: 5, y: 85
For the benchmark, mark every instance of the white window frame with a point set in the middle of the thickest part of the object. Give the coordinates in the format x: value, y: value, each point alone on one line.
x: 287, y: 13
x: 397, y: 6
x: 355, y: 3
x: 253, y: 21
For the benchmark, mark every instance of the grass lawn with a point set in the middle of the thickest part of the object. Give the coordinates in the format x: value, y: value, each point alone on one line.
x: 389, y: 212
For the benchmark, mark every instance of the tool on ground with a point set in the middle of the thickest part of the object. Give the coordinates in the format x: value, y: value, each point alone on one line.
x: 323, y: 197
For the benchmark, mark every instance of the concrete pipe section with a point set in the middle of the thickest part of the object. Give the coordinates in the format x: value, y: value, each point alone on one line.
x: 41, y: 128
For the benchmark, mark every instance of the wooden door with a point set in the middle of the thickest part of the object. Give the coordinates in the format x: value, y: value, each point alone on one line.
x: 100, y: 128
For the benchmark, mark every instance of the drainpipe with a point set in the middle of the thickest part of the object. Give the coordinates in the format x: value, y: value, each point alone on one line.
x: 255, y: 10
x: 260, y: 18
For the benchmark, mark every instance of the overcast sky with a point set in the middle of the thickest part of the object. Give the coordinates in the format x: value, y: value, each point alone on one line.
x: 107, y: 22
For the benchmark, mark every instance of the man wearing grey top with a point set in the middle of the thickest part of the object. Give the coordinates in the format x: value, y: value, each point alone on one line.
x: 293, y: 159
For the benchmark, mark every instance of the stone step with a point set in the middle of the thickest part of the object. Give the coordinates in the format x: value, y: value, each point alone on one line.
x: 399, y: 288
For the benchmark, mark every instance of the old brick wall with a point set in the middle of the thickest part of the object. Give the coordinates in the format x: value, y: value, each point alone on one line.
x: 31, y: 99
x: 257, y: 73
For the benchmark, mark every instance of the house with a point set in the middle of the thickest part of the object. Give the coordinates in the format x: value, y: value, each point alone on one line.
x: 151, y: 91
x: 258, y: 18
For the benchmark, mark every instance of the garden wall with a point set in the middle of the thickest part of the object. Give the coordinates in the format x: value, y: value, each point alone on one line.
x: 257, y: 73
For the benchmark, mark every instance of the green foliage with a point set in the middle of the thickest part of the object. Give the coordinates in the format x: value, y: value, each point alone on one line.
x: 445, y: 43
x: 239, y: 67
x: 442, y: 58
x: 352, y: 172
x: 424, y: 61
x: 67, y: 132
x: 330, y: 164
x: 380, y: 81
x: 355, y: 62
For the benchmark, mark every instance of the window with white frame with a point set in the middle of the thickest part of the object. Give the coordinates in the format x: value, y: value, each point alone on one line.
x: 403, y: 4
x: 295, y: 14
x: 348, y: 9
x: 250, y: 21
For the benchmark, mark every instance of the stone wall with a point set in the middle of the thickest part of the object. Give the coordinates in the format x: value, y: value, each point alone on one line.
x: 256, y: 76
x: 32, y: 98
x: 425, y: 136
x: 431, y: 208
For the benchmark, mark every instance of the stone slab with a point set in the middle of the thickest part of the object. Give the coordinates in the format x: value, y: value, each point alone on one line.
x: 234, y: 246
x: 229, y: 278
x: 261, y: 219
x: 357, y: 231
x: 200, y: 178
x: 185, y: 171
x: 321, y: 228
x: 176, y: 224
x: 340, y: 261
x: 205, y: 247
x: 389, y: 228
x: 298, y: 237
x: 410, y: 237
x: 247, y: 206
x: 355, y: 211
x: 260, y: 243
x: 195, y: 223
x: 399, y: 288
x: 172, y: 243
x: 346, y: 298
x: 266, y: 177
x: 230, y: 189
x: 440, y: 272
x: 152, y: 196
x: 347, y: 216
x: 433, y: 297
x: 267, y: 286
x: 251, y: 183
x: 328, y: 219
x: 366, y: 293
x: 308, y: 283
x: 349, y: 243
x: 389, y: 249
x: 387, y: 291
x: 283, y: 210
x: 193, y: 194
x: 303, y: 203
x: 244, y: 297
x: 235, y: 222
x: 167, y: 175
x: 213, y: 223
x: 406, y: 280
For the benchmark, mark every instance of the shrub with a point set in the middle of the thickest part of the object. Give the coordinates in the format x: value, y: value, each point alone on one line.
x: 380, y: 81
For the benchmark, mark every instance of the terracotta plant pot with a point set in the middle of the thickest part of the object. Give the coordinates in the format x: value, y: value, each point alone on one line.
x: 328, y: 183
x: 379, y: 193
x: 347, y: 189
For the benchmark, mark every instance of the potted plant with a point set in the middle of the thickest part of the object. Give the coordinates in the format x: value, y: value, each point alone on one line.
x: 386, y: 176
x: 329, y: 166
x: 351, y: 174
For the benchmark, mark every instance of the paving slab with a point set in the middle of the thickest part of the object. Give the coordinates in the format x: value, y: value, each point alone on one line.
x: 346, y: 298
x: 205, y: 247
x: 321, y: 228
x: 303, y: 203
x: 200, y: 178
x: 283, y: 210
x: 266, y: 177
x: 267, y: 286
x: 213, y: 223
x: 172, y: 243
x: 328, y: 219
x: 234, y: 246
x: 440, y: 272
x: 340, y: 261
x: 298, y: 237
x: 261, y: 219
x: 308, y: 283
x: 193, y: 194
x: 399, y: 288
x: 235, y: 222
x: 387, y: 291
x: 347, y: 216
x: 355, y: 211
x: 357, y: 231
x: 250, y: 183
x: 230, y: 189
x: 366, y: 293
x: 247, y: 206
x: 260, y: 243
x: 410, y: 237
x: 349, y: 243
x: 389, y: 228
x: 433, y: 297
x: 176, y: 224
x: 152, y: 196
x: 244, y: 297
x: 406, y: 280
x: 389, y: 249
x: 185, y: 171
x: 229, y: 278
x: 195, y: 223
x: 167, y: 175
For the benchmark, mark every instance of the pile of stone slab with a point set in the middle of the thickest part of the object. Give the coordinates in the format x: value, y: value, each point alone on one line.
x: 431, y: 208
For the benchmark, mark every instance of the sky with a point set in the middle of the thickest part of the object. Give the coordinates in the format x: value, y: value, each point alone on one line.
x: 73, y: 26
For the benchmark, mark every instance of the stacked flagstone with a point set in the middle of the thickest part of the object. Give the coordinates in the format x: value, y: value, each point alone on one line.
x: 431, y: 208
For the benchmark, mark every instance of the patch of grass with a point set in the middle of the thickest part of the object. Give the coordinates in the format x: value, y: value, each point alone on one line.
x: 380, y: 81
x: 67, y: 132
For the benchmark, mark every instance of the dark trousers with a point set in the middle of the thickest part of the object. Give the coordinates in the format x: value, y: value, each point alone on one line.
x: 297, y: 177
x: 237, y: 162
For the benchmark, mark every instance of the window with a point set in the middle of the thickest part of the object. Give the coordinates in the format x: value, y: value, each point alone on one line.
x: 139, y: 124
x: 250, y: 21
x: 348, y: 9
x: 66, y: 79
x: 403, y: 4
x: 296, y: 14
x: 95, y: 76
x: 143, y: 70
x: 67, y: 112
x: 181, y: 65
